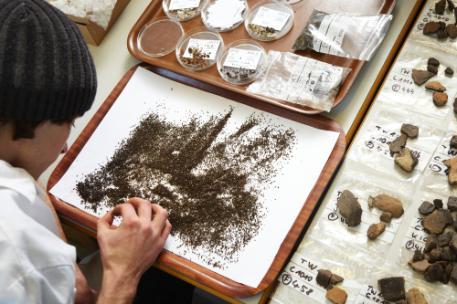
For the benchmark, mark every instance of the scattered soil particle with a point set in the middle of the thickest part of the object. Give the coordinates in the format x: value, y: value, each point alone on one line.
x: 435, y: 86
x: 398, y: 144
x: 393, y: 288
x: 448, y: 71
x: 420, y: 76
x: 387, y: 203
x: 375, y: 230
x: 426, y: 208
x: 349, y: 208
x: 452, y: 174
x: 410, y: 130
x: 436, y: 221
x: 415, y: 296
x: 336, y: 295
x: 440, y: 99
x: 386, y: 217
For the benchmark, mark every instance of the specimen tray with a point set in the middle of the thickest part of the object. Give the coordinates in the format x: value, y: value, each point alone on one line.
x: 175, y: 263
x: 302, y: 10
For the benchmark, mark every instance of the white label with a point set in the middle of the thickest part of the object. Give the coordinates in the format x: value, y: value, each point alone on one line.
x: 329, y: 38
x: 268, y: 17
x: 182, y: 4
x: 206, y: 46
x: 370, y: 295
x: 239, y: 58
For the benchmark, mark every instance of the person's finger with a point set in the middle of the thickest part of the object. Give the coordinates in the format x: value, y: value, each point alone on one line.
x: 160, y: 217
x: 126, y: 210
x: 165, y: 232
x: 143, y: 207
x: 105, y: 221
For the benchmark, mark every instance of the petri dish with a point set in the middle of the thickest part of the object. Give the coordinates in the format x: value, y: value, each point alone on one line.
x: 224, y: 15
x: 183, y: 10
x: 242, y: 62
x: 269, y: 21
x: 160, y: 37
x: 199, y: 49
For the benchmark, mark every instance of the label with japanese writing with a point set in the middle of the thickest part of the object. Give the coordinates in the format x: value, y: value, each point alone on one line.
x: 415, y: 236
x: 443, y: 152
x: 183, y: 4
x: 330, y: 36
x: 208, y: 47
x: 430, y: 15
x: 268, y: 17
x: 240, y: 58
x: 370, y: 295
x: 400, y: 82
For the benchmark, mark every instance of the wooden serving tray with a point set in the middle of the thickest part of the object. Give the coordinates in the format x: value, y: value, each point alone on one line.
x: 168, y: 260
x: 302, y: 9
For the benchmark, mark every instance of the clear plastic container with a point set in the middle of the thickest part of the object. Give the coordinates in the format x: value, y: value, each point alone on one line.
x: 224, y: 15
x: 160, y: 37
x: 269, y: 20
x: 199, y: 49
x: 183, y: 10
x: 242, y: 62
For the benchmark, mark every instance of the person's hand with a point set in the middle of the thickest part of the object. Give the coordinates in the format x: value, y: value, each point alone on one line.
x: 128, y: 250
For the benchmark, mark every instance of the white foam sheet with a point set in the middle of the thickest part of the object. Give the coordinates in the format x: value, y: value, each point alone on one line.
x: 147, y: 92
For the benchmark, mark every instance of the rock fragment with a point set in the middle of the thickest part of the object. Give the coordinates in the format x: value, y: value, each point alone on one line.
x: 440, y: 99
x: 452, y: 203
x: 335, y: 279
x: 349, y: 208
x: 432, y: 69
x: 398, y: 144
x: 375, y: 230
x: 420, y: 76
x: 452, y: 174
x: 393, y: 288
x: 450, y: 5
x: 419, y: 266
x: 387, y: 203
x: 433, y: 61
x: 323, y: 277
x: 418, y: 256
x: 410, y: 130
x: 386, y: 217
x: 431, y: 28
x: 438, y: 203
x: 434, y: 273
x: 440, y: 6
x: 436, y: 221
x: 453, y: 142
x: 435, y: 86
x: 406, y: 160
x: 415, y: 296
x: 426, y: 208
x: 451, y: 31
x: 336, y: 295
x: 448, y: 71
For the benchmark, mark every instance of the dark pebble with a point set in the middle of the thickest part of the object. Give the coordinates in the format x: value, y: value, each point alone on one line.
x: 433, y: 61
x: 442, y: 34
x: 426, y: 208
x: 432, y: 69
x: 418, y: 256
x: 392, y: 289
x: 451, y: 31
x: 444, y: 239
x: 434, y: 273
x: 440, y: 6
x: 449, y: 72
x: 323, y: 277
x: 438, y: 203
x: 453, y: 142
x: 452, y: 203
x: 431, y: 28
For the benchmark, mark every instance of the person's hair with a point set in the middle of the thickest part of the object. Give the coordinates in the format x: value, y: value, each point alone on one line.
x: 26, y: 129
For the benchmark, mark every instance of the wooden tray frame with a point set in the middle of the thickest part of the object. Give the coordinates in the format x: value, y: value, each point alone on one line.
x: 211, y: 76
x: 167, y: 259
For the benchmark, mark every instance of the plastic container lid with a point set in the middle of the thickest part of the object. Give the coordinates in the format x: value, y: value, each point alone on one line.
x: 199, y: 49
x: 269, y: 21
x: 183, y: 10
x: 242, y: 62
x: 160, y: 37
x: 224, y: 15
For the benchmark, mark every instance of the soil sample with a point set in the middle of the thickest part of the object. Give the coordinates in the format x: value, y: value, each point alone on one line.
x: 160, y: 37
x: 349, y: 208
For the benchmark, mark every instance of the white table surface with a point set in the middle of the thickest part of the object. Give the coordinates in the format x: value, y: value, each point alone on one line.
x: 112, y: 60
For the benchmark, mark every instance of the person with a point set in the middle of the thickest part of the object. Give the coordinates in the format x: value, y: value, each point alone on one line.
x: 47, y: 80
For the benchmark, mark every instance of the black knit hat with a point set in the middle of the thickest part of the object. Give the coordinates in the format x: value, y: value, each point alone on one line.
x: 46, y: 71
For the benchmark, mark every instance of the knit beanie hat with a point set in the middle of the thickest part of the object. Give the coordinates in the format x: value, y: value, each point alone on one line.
x: 46, y: 71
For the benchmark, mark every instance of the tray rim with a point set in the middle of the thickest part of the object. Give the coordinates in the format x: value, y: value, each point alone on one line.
x: 155, y: 6
x: 181, y: 265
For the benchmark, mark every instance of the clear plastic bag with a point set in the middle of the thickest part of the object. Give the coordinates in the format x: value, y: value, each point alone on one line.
x: 400, y: 89
x: 300, y: 80
x: 343, y: 34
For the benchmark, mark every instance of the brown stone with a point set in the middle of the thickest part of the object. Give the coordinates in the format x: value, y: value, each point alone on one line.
x: 442, y: 34
x: 452, y: 174
x: 415, y: 296
x: 452, y: 203
x: 420, y: 76
x: 419, y: 266
x: 435, y: 272
x: 450, y: 5
x: 448, y: 71
x: 426, y: 208
x: 376, y: 230
x: 436, y: 222
x: 323, y: 277
x: 440, y: 6
x: 432, y: 69
x: 349, y: 208
x: 336, y: 295
x: 431, y: 28
x: 444, y: 238
x: 433, y: 61
x: 435, y: 86
x: 336, y: 279
x: 430, y: 243
x: 398, y: 144
x: 409, y: 130
x: 392, y: 289
x: 406, y: 160
x: 386, y: 217
x: 440, y: 99
x: 451, y: 31
x: 387, y: 203
x: 418, y: 256
x: 453, y: 142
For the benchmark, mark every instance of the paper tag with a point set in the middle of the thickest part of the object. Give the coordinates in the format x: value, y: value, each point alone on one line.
x: 268, y: 17
x: 182, y: 4
x: 206, y: 46
x: 239, y: 58
x: 370, y: 295
x: 329, y: 36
